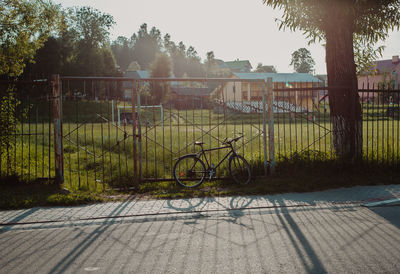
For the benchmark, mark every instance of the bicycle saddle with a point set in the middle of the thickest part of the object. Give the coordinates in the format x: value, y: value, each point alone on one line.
x: 198, y: 143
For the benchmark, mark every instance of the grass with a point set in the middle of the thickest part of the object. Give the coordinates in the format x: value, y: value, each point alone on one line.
x: 98, y: 157
x: 296, y: 174
x: 16, y: 193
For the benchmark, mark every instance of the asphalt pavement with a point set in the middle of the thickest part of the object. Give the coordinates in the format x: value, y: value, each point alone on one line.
x: 319, y: 232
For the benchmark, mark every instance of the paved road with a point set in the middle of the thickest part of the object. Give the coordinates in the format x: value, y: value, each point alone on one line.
x: 334, y: 237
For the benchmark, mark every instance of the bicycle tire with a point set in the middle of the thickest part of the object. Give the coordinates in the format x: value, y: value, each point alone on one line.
x: 239, y: 169
x: 189, y: 177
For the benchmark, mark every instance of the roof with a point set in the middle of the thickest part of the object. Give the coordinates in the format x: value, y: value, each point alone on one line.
x: 239, y: 66
x: 279, y: 77
x: 385, y: 66
x: 221, y: 64
x: 192, y: 91
x: 138, y: 74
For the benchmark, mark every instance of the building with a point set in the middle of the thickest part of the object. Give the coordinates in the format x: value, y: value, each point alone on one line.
x: 190, y: 97
x: 248, y: 92
x: 138, y: 74
x: 238, y: 66
x: 384, y: 72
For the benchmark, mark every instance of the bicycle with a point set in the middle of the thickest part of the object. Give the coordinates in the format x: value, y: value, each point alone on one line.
x: 190, y: 170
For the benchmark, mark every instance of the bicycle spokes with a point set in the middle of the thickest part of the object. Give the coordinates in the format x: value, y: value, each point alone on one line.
x: 189, y: 171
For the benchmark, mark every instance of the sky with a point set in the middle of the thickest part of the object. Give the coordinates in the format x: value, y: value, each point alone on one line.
x: 233, y: 29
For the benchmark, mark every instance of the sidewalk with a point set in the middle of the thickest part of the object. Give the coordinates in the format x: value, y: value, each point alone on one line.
x: 141, y: 208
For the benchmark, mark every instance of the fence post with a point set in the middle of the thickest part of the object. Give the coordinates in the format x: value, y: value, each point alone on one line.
x: 264, y: 100
x: 58, y: 136
x: 271, y: 136
x: 135, y: 181
x: 139, y: 126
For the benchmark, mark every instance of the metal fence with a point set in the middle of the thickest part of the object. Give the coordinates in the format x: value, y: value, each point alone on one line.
x: 113, y: 132
x: 107, y: 142
x: 27, y: 131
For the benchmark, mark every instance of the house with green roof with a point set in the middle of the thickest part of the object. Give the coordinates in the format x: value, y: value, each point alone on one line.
x: 252, y: 91
x: 239, y: 65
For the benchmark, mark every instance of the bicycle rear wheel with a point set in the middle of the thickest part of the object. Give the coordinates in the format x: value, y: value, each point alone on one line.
x: 189, y: 171
x: 239, y: 169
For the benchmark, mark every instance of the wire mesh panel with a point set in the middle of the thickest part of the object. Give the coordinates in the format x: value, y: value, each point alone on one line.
x: 118, y: 132
x: 381, y: 115
x: 27, y: 131
x: 207, y: 111
x: 97, y: 146
x: 302, y: 120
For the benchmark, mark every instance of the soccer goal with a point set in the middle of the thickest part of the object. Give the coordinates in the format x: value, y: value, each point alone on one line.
x: 126, y: 116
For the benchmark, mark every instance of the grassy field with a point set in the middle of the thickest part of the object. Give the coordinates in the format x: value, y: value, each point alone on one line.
x: 99, y: 154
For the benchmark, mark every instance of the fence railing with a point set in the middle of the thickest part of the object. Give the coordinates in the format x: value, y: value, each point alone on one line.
x: 117, y: 132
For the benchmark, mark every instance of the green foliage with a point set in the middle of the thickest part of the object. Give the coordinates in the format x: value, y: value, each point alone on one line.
x: 16, y: 193
x: 340, y: 23
x: 160, y: 68
x: 144, y: 46
x: 24, y: 28
x: 80, y: 48
x: 90, y: 25
x: 8, y: 119
x: 268, y: 69
x: 365, y: 54
x: 302, y: 61
x: 212, y: 68
x: 91, y: 30
x: 369, y: 20
x: 133, y: 66
x: 123, y: 54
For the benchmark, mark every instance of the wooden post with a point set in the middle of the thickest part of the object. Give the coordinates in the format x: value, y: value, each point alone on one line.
x: 135, y: 182
x: 271, y: 137
x: 58, y: 136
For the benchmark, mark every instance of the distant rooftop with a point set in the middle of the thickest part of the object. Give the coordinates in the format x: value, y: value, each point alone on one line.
x: 239, y: 65
x: 382, y: 66
x: 279, y: 77
x: 387, y: 65
x: 137, y: 74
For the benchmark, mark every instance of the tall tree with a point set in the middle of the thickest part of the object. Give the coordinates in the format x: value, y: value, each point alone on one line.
x: 302, y: 61
x: 194, y: 67
x: 47, y: 60
x: 160, y: 68
x: 122, y: 52
x: 91, y: 30
x: 261, y: 68
x: 92, y: 26
x: 24, y: 28
x: 339, y: 23
x: 146, y: 46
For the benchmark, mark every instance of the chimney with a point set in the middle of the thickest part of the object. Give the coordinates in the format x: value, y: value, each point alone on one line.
x: 395, y: 59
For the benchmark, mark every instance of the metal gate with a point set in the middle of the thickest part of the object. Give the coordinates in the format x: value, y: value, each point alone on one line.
x: 206, y: 110
x: 116, y: 134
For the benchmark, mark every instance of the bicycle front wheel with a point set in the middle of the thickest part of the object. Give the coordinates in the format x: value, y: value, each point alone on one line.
x: 189, y: 171
x: 239, y: 169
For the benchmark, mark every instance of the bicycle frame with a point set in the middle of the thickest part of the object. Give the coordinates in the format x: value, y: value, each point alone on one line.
x: 203, y: 152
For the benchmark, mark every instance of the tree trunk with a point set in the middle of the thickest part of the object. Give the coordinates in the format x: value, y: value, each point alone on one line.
x: 345, y: 107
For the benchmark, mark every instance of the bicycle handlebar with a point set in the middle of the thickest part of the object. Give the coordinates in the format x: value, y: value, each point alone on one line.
x: 226, y: 141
